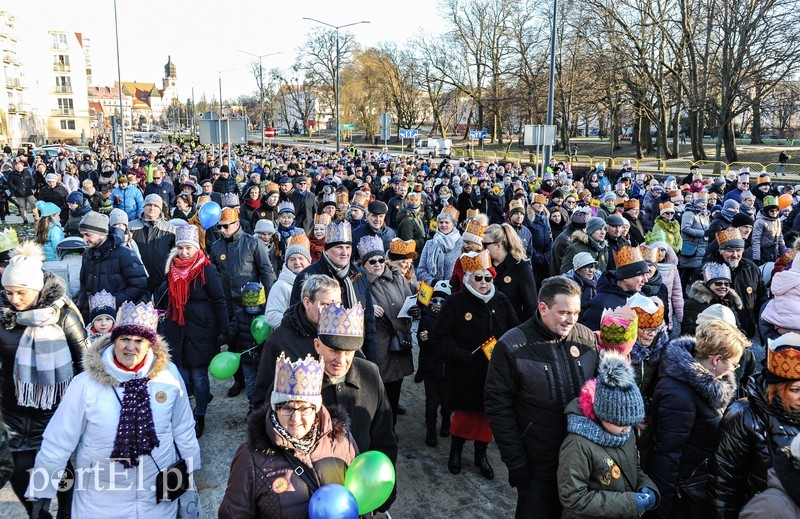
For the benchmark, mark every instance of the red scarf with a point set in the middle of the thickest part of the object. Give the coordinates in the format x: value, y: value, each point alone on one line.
x: 181, y: 274
x: 253, y: 204
x: 317, y: 248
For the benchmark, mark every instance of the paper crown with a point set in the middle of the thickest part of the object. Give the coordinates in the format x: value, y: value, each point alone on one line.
x: 361, y: 199
x: 299, y: 239
x: 229, y: 200
x: 627, y: 255
x: 655, y: 236
x: 229, y: 214
x: 338, y: 232
x: 328, y: 199
x: 713, y: 271
x: 398, y: 247
x: 342, y: 197
x: 618, y: 329
x: 142, y: 315
x: 369, y: 246
x: 270, y: 188
x: 298, y: 381
x: 8, y: 239
x: 285, y: 206
x: 102, y: 303
x: 539, y: 198
x: 770, y: 201
x: 413, y: 199
x: 474, y: 232
x: 322, y: 219
x: 253, y: 294
x: 341, y: 328
x: 187, y: 234
x: 649, y: 254
x: 650, y: 314
x: 619, y: 201
x: 783, y: 357
x: 633, y: 203
x: 516, y: 205
x: 473, y: 212
x: 666, y: 206
x: 474, y: 261
x: 730, y: 238
x: 451, y: 210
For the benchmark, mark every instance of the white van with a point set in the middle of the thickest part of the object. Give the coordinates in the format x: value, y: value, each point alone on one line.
x: 434, y: 147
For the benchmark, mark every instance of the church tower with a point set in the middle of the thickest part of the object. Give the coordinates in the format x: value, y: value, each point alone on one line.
x: 170, y: 82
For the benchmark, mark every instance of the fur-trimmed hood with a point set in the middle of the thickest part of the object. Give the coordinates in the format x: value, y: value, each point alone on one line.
x: 94, y: 365
x: 262, y: 436
x: 579, y: 236
x: 53, y: 290
x: 702, y: 294
x: 679, y: 363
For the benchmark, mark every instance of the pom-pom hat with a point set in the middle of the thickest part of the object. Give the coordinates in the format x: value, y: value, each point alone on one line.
x: 24, y: 269
x: 299, y: 381
x: 617, y: 399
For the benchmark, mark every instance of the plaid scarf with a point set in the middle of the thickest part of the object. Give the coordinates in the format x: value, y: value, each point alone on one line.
x: 43, y: 363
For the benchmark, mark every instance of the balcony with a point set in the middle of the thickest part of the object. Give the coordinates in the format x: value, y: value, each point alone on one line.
x: 63, y: 89
x: 61, y: 68
x: 24, y: 108
x: 64, y: 111
x: 60, y: 46
x: 13, y: 83
x: 12, y: 108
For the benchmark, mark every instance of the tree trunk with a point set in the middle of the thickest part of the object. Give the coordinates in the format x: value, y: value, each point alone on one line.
x: 696, y: 135
x: 755, y: 133
x: 729, y: 141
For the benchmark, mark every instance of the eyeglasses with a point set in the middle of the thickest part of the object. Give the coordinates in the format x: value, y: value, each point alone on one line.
x: 722, y: 283
x: 437, y: 300
x: 156, y: 178
x: 570, y: 202
x: 375, y: 261
x: 286, y: 411
x: 734, y: 366
x: 487, y: 243
x: 225, y: 225
x: 481, y: 279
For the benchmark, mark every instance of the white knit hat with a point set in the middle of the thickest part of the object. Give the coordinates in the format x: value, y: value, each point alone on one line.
x: 24, y: 270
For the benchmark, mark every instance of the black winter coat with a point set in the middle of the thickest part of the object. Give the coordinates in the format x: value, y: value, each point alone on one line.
x: 241, y: 259
x: 686, y: 410
x: 114, y: 268
x: 747, y: 281
x: 533, y: 375
x: 22, y: 183
x: 431, y: 363
x: 541, y: 240
x: 304, y: 210
x: 750, y: 432
x: 240, y: 338
x: 515, y: 280
x: 194, y: 344
x: 155, y: 241
x: 465, y: 323
x: 609, y: 295
x: 164, y: 190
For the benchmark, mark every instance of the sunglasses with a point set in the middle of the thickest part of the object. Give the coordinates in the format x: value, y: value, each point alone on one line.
x: 437, y: 300
x: 376, y: 261
x: 481, y: 279
x: 225, y: 225
x: 722, y: 284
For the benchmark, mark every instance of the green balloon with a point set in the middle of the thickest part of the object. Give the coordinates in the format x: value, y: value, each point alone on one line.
x: 224, y: 365
x: 370, y: 478
x: 260, y: 329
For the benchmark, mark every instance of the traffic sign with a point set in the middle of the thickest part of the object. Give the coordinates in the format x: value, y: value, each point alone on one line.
x: 269, y: 133
x: 477, y: 134
x: 386, y: 120
x: 350, y: 127
x: 409, y: 134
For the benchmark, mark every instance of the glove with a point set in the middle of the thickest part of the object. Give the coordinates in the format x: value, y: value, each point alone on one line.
x: 651, y: 502
x: 221, y: 340
x: 39, y: 506
x: 519, y: 478
x: 641, y: 502
x: 414, y: 312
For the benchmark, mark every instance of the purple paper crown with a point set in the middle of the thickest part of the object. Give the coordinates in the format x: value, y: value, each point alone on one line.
x: 102, y: 300
x: 285, y: 206
x: 298, y: 381
x: 340, y: 232
x: 337, y: 320
x: 187, y: 233
x: 229, y: 200
x: 143, y: 314
x: 370, y: 244
x: 712, y: 271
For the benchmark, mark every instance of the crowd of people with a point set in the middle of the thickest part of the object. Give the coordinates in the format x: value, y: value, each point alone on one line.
x: 629, y: 343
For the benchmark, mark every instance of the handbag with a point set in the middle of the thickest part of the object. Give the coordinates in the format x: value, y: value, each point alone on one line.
x: 399, y: 341
x: 189, y: 506
x: 688, y: 250
x: 692, y: 490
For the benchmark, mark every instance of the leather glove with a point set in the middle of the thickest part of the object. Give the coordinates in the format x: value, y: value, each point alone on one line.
x: 39, y: 506
x: 641, y: 502
x: 651, y: 502
x: 520, y: 478
x: 414, y: 312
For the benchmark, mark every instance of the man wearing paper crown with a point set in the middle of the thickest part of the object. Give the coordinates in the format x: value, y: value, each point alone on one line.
x: 410, y: 224
x: 746, y: 278
x: 615, y: 287
x: 336, y: 262
x: 375, y: 225
x: 127, y: 416
x: 155, y: 238
x: 756, y: 429
x: 296, y: 430
x: 8, y: 240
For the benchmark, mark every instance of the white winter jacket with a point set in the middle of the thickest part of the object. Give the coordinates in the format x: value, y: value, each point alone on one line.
x: 86, y: 423
x: 279, y: 296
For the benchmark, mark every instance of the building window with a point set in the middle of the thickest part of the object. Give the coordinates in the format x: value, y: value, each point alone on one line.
x: 63, y: 84
x: 61, y: 62
x: 59, y: 41
x: 68, y: 124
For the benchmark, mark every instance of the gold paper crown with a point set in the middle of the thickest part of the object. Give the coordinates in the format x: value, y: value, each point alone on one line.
x: 516, y: 205
x: 361, y: 199
x: 783, y: 356
x: 452, y: 211
x: 474, y: 261
x: 8, y: 239
x: 539, y: 198
x: 627, y: 255
x: 229, y: 214
x: 323, y: 219
x: 650, y: 313
x: 620, y: 201
x: 299, y: 239
x: 649, y: 255
x: 400, y: 247
x: 342, y: 197
x: 666, y: 205
x: 633, y: 203
x: 414, y: 199
x: 473, y: 212
x: 726, y: 235
x: 272, y: 187
x: 475, y: 228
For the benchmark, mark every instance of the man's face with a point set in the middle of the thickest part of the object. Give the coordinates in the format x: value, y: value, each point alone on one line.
x: 599, y: 235
x: 517, y: 218
x: 633, y: 284
x: 157, y: 178
x: 732, y: 257
x: 302, y: 186
x: 562, y: 315
x: 615, y: 231
x: 207, y: 187
x: 285, y: 187
x: 337, y: 362
x: 321, y: 299
x: 376, y: 220
x: 151, y: 212
x: 227, y: 229
x: 746, y: 230
x: 340, y: 254
x: 93, y: 240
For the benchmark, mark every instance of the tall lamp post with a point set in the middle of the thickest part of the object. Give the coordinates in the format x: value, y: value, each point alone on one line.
x: 261, y: 86
x: 220, y: 118
x: 336, y: 28
x: 548, y: 150
x: 119, y: 83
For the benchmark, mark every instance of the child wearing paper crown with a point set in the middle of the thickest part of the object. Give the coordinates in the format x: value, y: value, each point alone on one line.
x: 432, y: 369
x: 102, y: 315
x: 598, y: 470
x: 240, y: 338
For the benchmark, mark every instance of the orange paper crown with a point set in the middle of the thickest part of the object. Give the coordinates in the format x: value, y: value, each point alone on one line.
x: 620, y: 201
x: 627, y: 255
x: 398, y: 246
x: 299, y: 239
x: 474, y: 261
x: 473, y: 212
x: 342, y: 197
x: 475, y: 228
x: 323, y: 219
x: 361, y: 199
x: 650, y: 313
x: 666, y: 205
x: 539, y: 198
x: 452, y: 211
x: 229, y: 214
x: 783, y: 356
x: 649, y: 255
x: 632, y: 204
x: 516, y: 205
x: 726, y: 235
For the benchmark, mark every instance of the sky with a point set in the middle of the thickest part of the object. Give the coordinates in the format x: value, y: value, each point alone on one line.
x: 203, y: 37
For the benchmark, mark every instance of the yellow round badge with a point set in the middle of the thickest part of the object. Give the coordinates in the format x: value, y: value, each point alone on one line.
x: 575, y: 352
x: 161, y: 397
x: 280, y: 485
x: 615, y: 472
x: 467, y: 316
x: 223, y: 256
x: 507, y: 279
x: 749, y: 290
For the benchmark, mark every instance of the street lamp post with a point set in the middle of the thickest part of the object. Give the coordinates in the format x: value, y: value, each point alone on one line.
x: 551, y: 90
x: 338, y: 120
x: 261, y: 86
x: 119, y: 83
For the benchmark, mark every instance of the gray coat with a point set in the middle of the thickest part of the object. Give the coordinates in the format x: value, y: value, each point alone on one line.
x: 773, y: 502
x: 693, y: 231
x: 389, y: 290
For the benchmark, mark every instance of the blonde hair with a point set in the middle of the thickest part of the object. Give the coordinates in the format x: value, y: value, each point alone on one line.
x: 508, y: 237
x: 716, y: 337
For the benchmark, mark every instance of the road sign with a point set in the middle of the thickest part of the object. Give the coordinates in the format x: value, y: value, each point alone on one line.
x: 386, y: 120
x: 477, y: 134
x: 269, y: 133
x: 409, y: 134
x: 350, y: 127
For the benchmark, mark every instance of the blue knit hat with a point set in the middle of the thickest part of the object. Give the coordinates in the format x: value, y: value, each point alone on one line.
x: 617, y: 398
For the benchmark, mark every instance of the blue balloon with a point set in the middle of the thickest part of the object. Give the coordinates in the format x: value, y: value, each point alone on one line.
x: 332, y: 502
x: 209, y: 215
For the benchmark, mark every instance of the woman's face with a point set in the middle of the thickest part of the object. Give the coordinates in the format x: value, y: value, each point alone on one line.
x: 297, y: 418
x: 588, y: 271
x: 296, y: 263
x: 375, y: 265
x: 555, y: 217
x: 130, y: 350
x: 181, y: 204
x: 481, y: 281
x: 286, y: 219
x: 186, y: 251
x: 445, y: 225
x: 471, y: 246
x: 272, y: 199
x: 21, y: 298
x: 319, y: 230
x: 646, y: 336
x: 662, y: 254
x: 253, y: 193
x: 720, y: 287
x: 793, y: 396
x: 723, y: 366
x: 404, y: 265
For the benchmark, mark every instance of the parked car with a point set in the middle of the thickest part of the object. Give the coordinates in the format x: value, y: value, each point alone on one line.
x: 434, y: 147
x: 156, y: 137
x: 137, y: 138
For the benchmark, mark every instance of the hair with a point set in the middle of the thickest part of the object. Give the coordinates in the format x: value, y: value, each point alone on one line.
x: 186, y: 198
x: 510, y: 239
x: 317, y: 283
x: 780, y: 389
x: 42, y: 230
x: 555, y: 286
x: 716, y: 337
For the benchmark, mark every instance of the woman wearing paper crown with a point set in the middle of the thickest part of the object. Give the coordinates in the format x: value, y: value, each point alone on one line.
x: 768, y: 241
x: 714, y: 288
x: 441, y: 253
x: 296, y: 430
x: 127, y: 417
x: 196, y: 317
x: 468, y: 325
x: 696, y: 384
x: 42, y: 339
x: 755, y: 430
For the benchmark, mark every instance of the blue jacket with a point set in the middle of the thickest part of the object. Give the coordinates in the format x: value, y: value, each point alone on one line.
x: 541, y: 246
x: 165, y: 191
x: 129, y: 200
x: 54, y: 236
x: 609, y: 295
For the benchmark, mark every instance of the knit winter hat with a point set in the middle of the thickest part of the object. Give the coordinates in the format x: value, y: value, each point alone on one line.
x: 24, y: 270
x: 582, y: 259
x: 742, y: 219
x: 95, y: 223
x: 730, y: 205
x: 116, y: 216
x: 154, y: 199
x: 617, y: 398
x: 594, y: 224
x: 618, y: 329
x: 76, y: 197
x: 717, y: 311
x: 264, y: 226
x: 579, y: 218
x: 298, y: 244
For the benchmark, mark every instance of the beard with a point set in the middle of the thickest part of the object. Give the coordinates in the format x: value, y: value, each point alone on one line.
x: 733, y: 264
